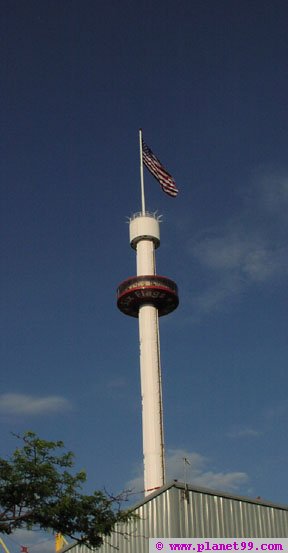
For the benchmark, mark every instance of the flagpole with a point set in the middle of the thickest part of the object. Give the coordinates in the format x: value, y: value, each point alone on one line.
x: 141, y: 173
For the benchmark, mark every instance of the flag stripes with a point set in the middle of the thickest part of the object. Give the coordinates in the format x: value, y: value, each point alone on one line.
x: 156, y: 168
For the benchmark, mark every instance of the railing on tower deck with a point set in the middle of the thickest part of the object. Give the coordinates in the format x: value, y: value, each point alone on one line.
x: 145, y: 281
x: 147, y: 214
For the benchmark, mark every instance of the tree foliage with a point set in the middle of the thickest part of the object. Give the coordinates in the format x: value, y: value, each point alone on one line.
x: 38, y: 490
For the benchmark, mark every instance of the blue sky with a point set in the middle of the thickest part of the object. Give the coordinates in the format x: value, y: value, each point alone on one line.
x: 207, y: 81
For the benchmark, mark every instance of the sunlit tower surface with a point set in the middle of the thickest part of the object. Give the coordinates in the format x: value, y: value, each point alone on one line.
x: 147, y: 297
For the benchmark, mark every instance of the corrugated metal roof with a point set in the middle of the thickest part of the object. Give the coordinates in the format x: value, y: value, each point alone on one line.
x: 179, y: 510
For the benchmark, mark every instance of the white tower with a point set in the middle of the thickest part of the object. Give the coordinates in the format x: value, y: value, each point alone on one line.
x: 148, y: 296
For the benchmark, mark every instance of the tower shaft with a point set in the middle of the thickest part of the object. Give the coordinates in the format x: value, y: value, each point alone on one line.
x: 147, y: 296
x: 151, y: 393
x: 150, y: 370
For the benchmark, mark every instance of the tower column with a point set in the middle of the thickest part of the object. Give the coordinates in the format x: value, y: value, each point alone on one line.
x: 145, y: 258
x: 151, y: 393
x: 148, y: 296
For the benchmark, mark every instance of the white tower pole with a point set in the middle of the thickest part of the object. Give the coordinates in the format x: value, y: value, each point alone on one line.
x: 150, y: 369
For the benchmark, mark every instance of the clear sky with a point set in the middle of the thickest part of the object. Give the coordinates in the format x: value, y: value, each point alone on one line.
x: 208, y: 83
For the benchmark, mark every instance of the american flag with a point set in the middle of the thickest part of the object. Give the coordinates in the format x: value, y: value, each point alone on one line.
x: 158, y: 171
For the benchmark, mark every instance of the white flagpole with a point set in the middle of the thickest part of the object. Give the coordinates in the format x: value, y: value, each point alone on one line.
x: 141, y: 173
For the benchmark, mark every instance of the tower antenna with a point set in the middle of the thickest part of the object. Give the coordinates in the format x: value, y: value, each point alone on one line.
x: 141, y: 172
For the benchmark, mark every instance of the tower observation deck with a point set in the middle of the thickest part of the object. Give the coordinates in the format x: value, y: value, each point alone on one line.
x: 148, y: 296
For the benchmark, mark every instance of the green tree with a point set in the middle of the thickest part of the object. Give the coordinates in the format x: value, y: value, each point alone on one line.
x: 37, y: 490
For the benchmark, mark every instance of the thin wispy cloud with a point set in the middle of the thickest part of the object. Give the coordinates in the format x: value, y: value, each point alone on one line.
x: 195, y: 471
x: 22, y: 404
x: 251, y: 257
x: 272, y: 192
x: 275, y: 413
x: 248, y: 250
x: 117, y: 383
x: 244, y: 433
x: 269, y: 416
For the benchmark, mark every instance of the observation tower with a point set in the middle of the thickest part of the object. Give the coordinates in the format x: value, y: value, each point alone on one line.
x: 147, y: 297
